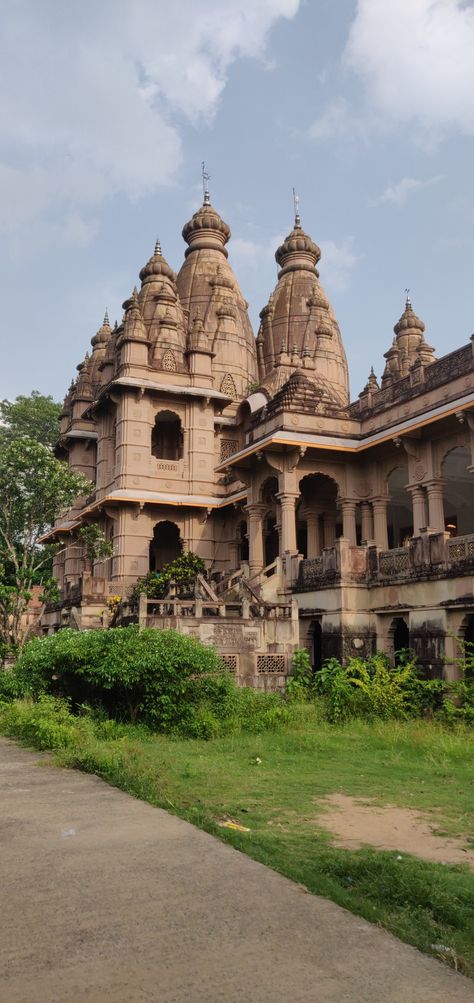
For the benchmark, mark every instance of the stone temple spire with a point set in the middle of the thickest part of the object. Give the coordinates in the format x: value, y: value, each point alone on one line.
x: 298, y: 314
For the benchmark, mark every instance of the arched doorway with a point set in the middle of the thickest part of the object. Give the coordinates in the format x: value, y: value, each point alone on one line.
x: 458, y: 492
x: 242, y: 537
x: 167, y: 436
x: 165, y: 546
x: 400, y: 638
x: 317, y: 514
x: 270, y: 539
x: 399, y: 510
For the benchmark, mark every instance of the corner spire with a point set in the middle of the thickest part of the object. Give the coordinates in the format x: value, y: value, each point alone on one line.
x: 205, y: 185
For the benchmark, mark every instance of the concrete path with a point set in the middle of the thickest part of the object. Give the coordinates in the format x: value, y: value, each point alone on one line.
x: 104, y: 898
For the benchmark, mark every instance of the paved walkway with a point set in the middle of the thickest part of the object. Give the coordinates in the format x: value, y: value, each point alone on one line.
x: 106, y: 898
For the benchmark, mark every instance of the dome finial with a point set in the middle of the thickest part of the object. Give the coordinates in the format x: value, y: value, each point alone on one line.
x: 157, y: 246
x: 205, y: 187
x: 296, y: 204
x: 407, y: 300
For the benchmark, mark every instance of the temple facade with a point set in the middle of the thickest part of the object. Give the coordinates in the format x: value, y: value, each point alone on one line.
x: 341, y: 526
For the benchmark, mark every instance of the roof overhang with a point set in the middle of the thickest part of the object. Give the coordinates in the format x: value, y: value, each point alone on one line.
x: 346, y: 444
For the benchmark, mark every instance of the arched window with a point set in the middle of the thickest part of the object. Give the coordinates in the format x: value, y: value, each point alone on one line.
x: 165, y: 546
x: 167, y: 437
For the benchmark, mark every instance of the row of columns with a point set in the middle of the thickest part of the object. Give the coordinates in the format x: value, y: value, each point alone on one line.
x: 428, y: 510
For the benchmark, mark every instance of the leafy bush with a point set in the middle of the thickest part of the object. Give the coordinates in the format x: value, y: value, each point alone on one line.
x: 183, y: 570
x: 300, y: 685
x: 45, y: 724
x: 156, y: 676
x: 374, y: 689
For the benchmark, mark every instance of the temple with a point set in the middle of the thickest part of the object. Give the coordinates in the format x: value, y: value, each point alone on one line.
x: 341, y: 526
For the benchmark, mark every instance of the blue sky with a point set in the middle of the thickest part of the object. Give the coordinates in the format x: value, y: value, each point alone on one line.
x: 108, y: 108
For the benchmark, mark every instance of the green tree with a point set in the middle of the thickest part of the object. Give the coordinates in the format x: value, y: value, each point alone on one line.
x: 35, y: 416
x: 34, y: 488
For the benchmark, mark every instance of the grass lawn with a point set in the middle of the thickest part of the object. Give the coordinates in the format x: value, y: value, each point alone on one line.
x: 270, y: 782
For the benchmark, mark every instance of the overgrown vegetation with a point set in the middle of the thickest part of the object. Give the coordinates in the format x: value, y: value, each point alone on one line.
x: 376, y: 689
x: 166, y: 680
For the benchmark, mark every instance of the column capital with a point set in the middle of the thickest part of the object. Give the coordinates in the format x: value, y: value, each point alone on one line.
x: 255, y: 508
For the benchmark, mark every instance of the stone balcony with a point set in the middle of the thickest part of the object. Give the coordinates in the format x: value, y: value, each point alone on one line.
x: 428, y: 556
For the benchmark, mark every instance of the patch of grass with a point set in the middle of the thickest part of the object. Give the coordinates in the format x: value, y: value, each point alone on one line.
x: 271, y: 782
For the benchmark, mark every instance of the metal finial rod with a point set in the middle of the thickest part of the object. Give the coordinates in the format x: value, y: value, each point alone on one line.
x: 157, y: 246
x: 106, y: 317
x: 408, y: 300
x: 205, y: 187
x: 296, y: 206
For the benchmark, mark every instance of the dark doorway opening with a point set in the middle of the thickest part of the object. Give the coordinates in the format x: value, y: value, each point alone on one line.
x: 401, y: 639
x: 271, y: 540
x: 165, y: 546
x: 317, y: 646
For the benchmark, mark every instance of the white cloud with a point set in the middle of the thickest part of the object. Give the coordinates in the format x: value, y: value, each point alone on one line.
x: 91, y: 96
x: 247, y: 253
x: 416, y: 58
x: 399, y: 193
x: 332, y: 122
x: 337, y: 263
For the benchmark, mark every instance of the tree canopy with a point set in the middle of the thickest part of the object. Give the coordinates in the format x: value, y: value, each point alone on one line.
x: 36, y: 416
x: 34, y: 488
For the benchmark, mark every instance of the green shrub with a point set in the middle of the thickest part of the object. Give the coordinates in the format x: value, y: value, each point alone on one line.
x: 373, y: 688
x: 300, y: 685
x: 155, y: 676
x: 44, y: 724
x: 183, y: 570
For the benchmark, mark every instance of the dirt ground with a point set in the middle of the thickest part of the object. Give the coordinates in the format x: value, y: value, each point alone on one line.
x: 354, y: 822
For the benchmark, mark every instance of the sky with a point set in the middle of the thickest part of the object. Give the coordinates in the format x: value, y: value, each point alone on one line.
x: 108, y: 108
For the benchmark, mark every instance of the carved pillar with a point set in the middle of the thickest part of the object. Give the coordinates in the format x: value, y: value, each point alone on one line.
x: 313, y: 534
x: 367, y: 522
x: 379, y: 507
x: 419, y: 509
x: 349, y: 520
x: 329, y: 529
x: 436, y: 505
x: 287, y: 501
x: 255, y: 534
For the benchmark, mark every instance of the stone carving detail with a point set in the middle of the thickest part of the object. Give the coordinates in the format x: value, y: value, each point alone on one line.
x: 228, y: 448
x: 271, y: 663
x: 311, y: 571
x: 168, y: 362
x: 228, y: 386
x: 231, y: 662
x: 226, y: 636
x: 461, y: 548
x: 420, y: 472
x: 394, y: 562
